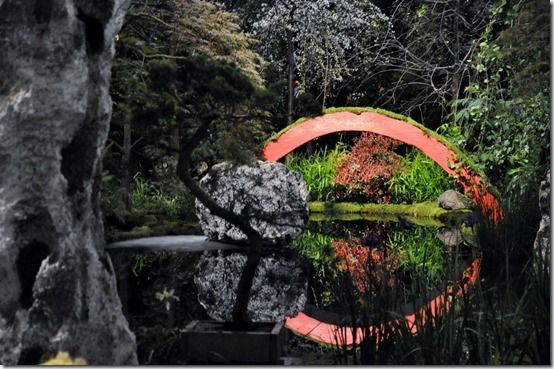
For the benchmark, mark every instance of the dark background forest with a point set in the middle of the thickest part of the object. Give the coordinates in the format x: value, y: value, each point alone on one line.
x: 478, y: 72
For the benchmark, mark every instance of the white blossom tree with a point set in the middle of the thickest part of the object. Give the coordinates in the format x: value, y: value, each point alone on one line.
x: 329, y: 44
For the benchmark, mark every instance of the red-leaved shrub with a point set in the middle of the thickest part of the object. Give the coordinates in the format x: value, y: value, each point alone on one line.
x: 365, y: 265
x: 365, y: 171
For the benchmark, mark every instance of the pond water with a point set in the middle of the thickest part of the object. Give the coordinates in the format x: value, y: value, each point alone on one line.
x: 356, y: 263
x: 358, y: 271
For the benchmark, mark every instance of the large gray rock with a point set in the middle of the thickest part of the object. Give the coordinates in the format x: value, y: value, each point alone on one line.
x: 57, y: 283
x: 542, y: 240
x: 453, y: 200
x: 278, y: 290
x: 272, y: 197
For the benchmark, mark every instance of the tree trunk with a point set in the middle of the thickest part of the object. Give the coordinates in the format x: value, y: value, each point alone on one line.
x: 126, y: 163
x: 325, y: 84
x: 290, y: 60
x: 174, y: 137
x: 58, y: 284
x: 455, y: 88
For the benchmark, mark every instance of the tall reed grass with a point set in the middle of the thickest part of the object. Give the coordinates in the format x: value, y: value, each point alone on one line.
x: 504, y: 319
x: 418, y: 178
x: 319, y: 170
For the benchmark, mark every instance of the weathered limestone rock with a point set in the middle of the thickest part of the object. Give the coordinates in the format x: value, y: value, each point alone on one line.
x: 542, y: 240
x: 57, y: 283
x: 272, y: 197
x: 278, y: 290
x: 453, y: 200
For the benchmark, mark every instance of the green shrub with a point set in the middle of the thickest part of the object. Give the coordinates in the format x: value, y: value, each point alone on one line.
x: 502, y: 119
x: 419, y: 179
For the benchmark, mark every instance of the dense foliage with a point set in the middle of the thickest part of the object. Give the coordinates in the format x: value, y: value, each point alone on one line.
x: 178, y: 63
x: 371, y: 171
x: 502, y: 118
x: 366, y: 170
x: 477, y: 62
x: 332, y: 42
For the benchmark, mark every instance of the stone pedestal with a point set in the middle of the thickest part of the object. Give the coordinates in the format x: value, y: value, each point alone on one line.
x: 209, y: 342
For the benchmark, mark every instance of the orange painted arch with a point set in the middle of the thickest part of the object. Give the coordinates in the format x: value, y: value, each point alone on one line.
x: 394, y: 126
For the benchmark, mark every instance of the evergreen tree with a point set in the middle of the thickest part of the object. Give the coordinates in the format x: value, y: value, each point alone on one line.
x: 152, y: 106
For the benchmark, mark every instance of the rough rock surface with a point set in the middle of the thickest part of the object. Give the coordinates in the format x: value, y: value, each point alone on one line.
x: 542, y: 240
x: 450, y: 236
x: 453, y: 200
x: 57, y: 283
x: 279, y: 288
x: 272, y: 197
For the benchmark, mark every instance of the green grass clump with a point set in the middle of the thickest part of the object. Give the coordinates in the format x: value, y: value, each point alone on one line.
x: 420, y: 179
x: 147, y: 196
x: 319, y: 170
x: 460, y: 156
x: 421, y: 251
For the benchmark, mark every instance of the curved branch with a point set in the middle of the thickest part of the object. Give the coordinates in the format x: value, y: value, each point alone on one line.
x: 254, y: 254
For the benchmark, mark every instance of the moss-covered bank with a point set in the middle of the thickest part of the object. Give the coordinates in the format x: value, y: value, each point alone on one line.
x: 426, y: 213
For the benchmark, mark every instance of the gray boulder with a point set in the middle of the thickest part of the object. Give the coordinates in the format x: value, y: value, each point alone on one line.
x: 272, y: 197
x: 542, y: 240
x: 450, y: 236
x: 279, y: 287
x: 57, y: 282
x: 453, y: 200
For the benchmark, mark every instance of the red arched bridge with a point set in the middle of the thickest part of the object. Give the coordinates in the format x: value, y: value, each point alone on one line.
x: 431, y: 144
x: 400, y: 128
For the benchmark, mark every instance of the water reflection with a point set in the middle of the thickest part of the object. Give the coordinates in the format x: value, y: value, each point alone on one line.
x: 278, y: 289
x: 364, y: 266
x: 358, y: 270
